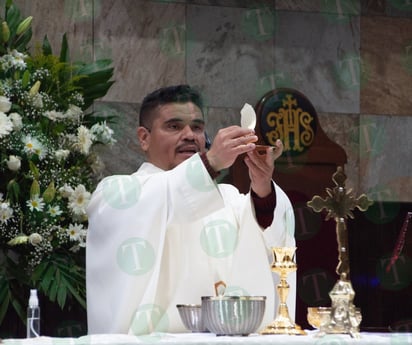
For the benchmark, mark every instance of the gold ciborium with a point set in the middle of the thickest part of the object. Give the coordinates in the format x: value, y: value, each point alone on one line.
x: 283, y: 264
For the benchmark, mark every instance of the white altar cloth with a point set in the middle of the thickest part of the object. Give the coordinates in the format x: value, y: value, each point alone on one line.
x: 207, y: 338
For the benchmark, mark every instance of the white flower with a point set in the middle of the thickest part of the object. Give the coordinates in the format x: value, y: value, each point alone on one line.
x: 6, y: 212
x: 35, y: 238
x: 103, y: 133
x: 66, y: 191
x: 54, y: 115
x: 61, y: 154
x: 17, y: 121
x: 74, y: 231
x: 82, y: 239
x: 54, y: 211
x: 6, y: 126
x: 96, y: 164
x: 35, y: 203
x: 84, y: 140
x: 5, y: 104
x: 14, y: 163
x: 79, y: 200
x: 14, y: 59
x: 74, y: 112
x: 19, y: 62
x: 37, y: 100
x: 34, y: 146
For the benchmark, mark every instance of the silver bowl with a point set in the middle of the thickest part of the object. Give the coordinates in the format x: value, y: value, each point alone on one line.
x: 191, y: 315
x: 233, y: 315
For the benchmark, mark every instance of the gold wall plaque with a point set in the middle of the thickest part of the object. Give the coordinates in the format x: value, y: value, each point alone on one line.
x: 288, y: 115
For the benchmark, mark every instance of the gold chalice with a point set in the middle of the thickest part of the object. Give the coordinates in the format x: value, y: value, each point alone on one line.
x: 318, y: 316
x: 283, y: 264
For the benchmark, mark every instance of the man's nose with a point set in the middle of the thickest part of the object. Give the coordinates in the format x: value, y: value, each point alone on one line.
x: 187, y: 132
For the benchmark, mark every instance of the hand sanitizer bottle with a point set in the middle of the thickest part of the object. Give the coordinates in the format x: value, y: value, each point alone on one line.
x: 33, y: 315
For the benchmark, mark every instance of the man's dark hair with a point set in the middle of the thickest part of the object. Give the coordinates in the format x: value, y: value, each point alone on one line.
x: 170, y: 94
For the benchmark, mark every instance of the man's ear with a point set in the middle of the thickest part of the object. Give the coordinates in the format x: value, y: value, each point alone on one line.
x: 143, y: 135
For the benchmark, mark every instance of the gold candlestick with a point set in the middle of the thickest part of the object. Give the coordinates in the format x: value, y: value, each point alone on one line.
x: 339, y: 204
x: 283, y: 264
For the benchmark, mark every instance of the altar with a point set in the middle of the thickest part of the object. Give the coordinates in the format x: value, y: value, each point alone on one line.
x: 208, y: 338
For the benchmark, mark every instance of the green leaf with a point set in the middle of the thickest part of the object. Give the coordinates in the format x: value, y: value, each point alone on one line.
x: 64, y: 50
x: 46, y: 47
x: 21, y: 312
x: 93, y: 67
x: 54, y: 287
x: 20, y: 239
x: 76, y: 295
x: 34, y: 189
x: 34, y: 170
x: 40, y: 271
x: 60, y: 278
x: 49, y: 193
x: 22, y: 41
x: 25, y: 79
x: 47, y: 278
x: 62, y: 293
x: 97, y: 90
x: 13, y: 18
x: 13, y: 190
x: 4, y: 297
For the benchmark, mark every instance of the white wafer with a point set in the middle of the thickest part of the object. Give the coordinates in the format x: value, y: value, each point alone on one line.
x: 248, y: 117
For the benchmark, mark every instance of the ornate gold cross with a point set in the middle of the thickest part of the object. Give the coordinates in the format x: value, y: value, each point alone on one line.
x: 339, y: 204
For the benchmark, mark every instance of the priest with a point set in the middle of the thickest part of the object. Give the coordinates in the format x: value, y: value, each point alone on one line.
x: 168, y: 233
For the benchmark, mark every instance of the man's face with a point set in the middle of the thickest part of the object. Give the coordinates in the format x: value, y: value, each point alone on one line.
x: 177, y: 133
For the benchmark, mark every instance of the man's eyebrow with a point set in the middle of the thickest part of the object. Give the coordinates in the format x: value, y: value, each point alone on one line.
x: 178, y: 119
x: 199, y: 121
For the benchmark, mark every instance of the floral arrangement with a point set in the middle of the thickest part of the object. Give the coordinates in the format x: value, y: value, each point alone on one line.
x: 48, y: 166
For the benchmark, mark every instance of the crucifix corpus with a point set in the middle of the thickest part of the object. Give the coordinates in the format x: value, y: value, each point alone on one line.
x: 344, y: 317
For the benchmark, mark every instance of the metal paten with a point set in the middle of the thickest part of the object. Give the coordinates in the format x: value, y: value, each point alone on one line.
x: 283, y: 264
x: 339, y: 204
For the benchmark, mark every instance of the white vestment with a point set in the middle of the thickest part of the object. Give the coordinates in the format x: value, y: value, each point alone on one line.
x: 161, y: 238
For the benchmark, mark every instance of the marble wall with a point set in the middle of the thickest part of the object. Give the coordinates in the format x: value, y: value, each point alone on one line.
x: 352, y: 59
